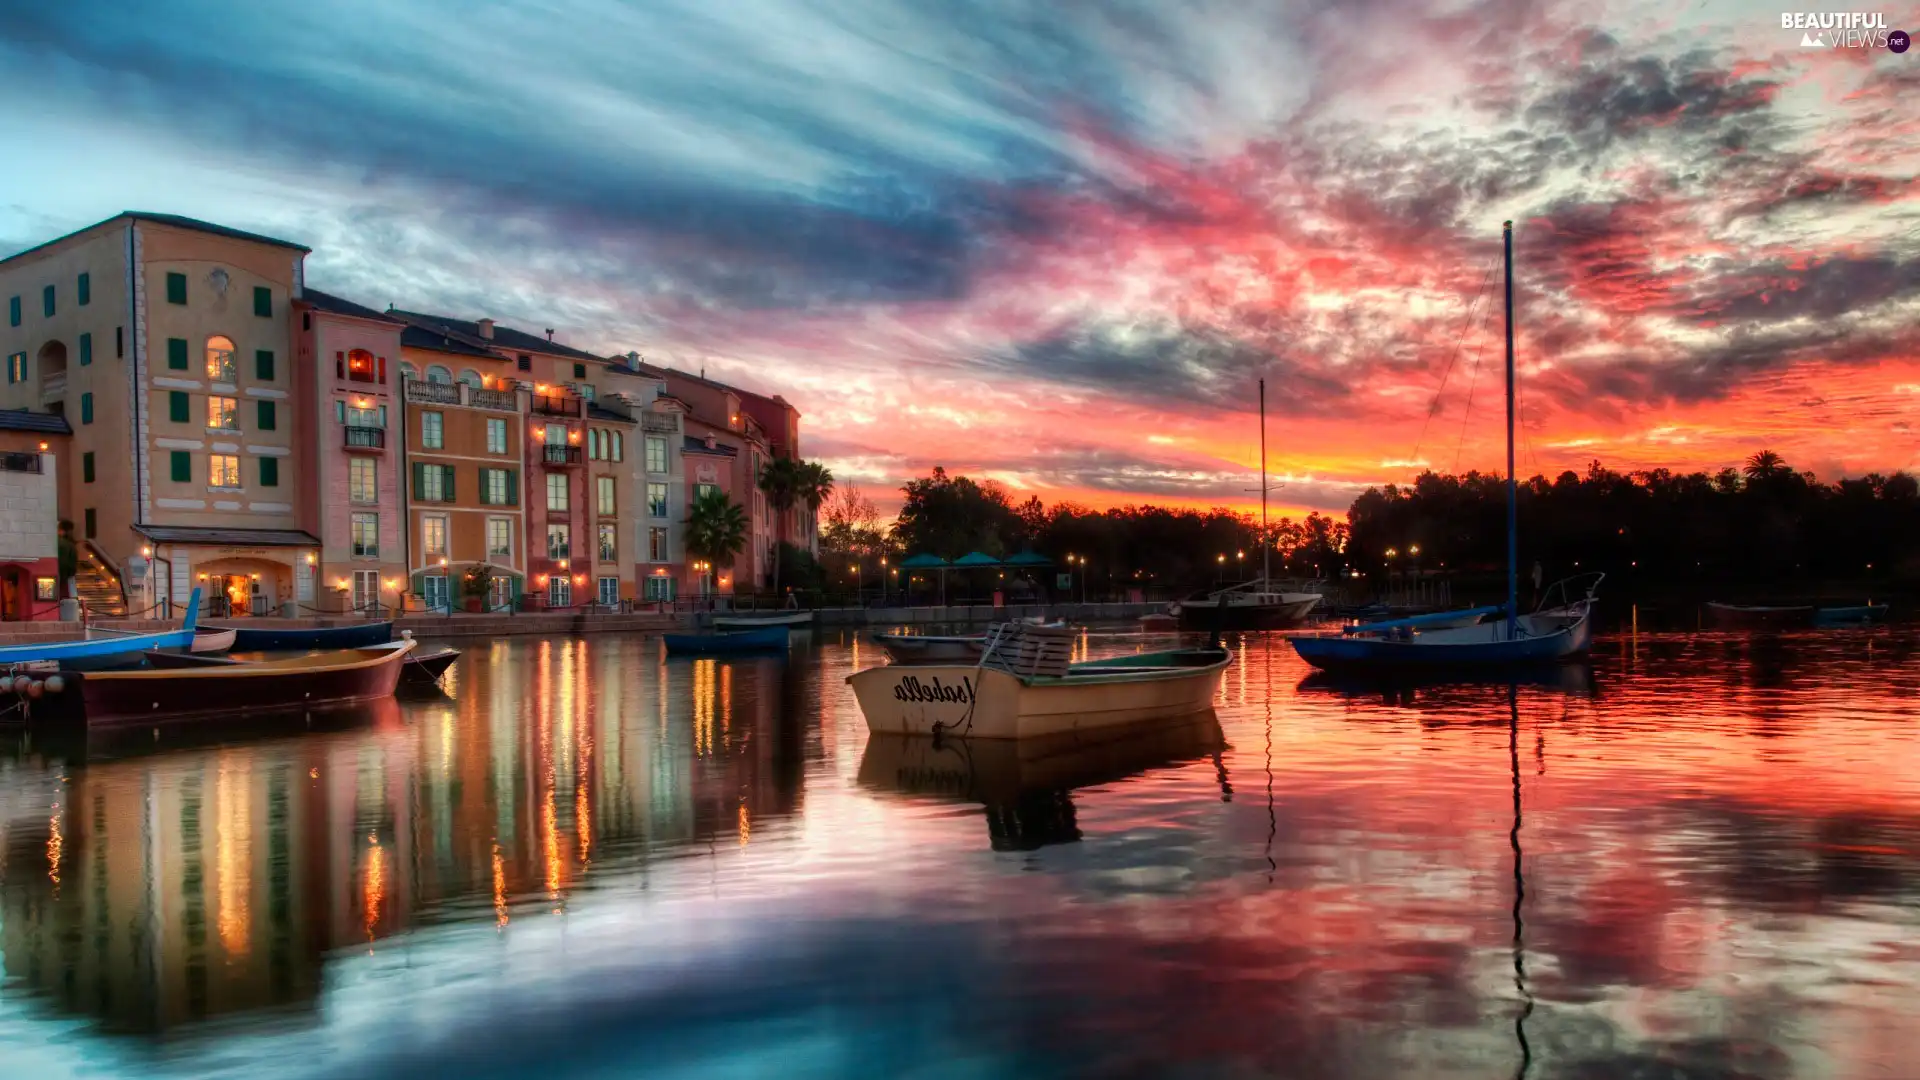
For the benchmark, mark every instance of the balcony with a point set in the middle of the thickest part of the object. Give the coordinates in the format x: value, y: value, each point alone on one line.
x: 549, y: 405
x: 365, y: 438
x: 557, y: 455
x: 433, y: 393
x: 53, y: 387
x: 16, y: 461
x: 503, y: 400
x: 657, y: 424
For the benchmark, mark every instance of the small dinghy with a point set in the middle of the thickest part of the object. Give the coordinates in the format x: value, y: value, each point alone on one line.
x: 765, y: 639
x: 1758, y: 616
x: 785, y: 620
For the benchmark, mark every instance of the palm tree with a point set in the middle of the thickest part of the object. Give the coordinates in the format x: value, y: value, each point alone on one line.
x: 780, y: 480
x: 716, y: 528
x: 1765, y: 466
x: 814, y: 485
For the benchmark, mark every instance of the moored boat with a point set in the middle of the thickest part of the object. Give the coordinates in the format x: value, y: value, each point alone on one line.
x: 764, y: 639
x: 351, y: 636
x: 209, y: 640
x: 1850, y: 616
x: 1158, y: 622
x: 108, y: 649
x: 1759, y: 616
x: 939, y: 648
x: 1251, y: 605
x: 783, y: 619
x: 426, y: 666
x: 214, y: 687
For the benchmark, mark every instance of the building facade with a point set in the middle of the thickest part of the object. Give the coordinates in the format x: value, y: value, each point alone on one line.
x: 31, y: 509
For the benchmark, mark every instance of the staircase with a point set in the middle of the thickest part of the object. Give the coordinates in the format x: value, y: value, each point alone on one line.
x: 98, y: 585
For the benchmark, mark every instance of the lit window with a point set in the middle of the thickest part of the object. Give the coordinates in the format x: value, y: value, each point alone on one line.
x: 220, y: 359
x: 366, y: 535
x: 499, y: 538
x: 363, y: 485
x: 656, y: 500
x: 432, y: 434
x: 361, y: 366
x: 223, y: 470
x: 499, y: 487
x: 656, y: 454
x: 605, y: 495
x: 559, y: 542
x: 223, y: 413
x: 433, y: 535
x: 496, y: 436
x: 556, y: 491
x: 657, y: 544
x: 609, y: 545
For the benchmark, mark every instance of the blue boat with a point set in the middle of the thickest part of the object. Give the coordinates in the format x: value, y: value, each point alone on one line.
x: 765, y: 639
x: 355, y: 636
x: 1557, y: 632
x: 1850, y: 616
x: 109, y: 650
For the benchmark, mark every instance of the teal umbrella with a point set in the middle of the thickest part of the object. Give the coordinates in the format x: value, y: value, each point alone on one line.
x: 978, y: 558
x: 1028, y: 558
x: 925, y: 561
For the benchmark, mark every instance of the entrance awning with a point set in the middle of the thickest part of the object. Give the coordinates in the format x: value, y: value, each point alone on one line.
x: 195, y: 534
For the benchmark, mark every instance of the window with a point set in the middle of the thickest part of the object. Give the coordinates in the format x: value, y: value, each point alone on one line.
x: 223, y: 413
x: 579, y: 370
x: 593, y: 444
x: 701, y: 491
x: 176, y: 354
x: 609, y: 544
x: 177, y: 407
x: 220, y: 359
x: 438, y: 374
x: 263, y: 364
x: 499, y: 538
x: 363, y: 480
x: 523, y: 361
x: 361, y: 418
x: 472, y: 379
x: 176, y: 288
x: 556, y: 434
x: 659, y: 587
x: 17, y: 368
x: 559, y: 542
x: 559, y: 591
x: 13, y: 312
x: 432, y: 483
x: 86, y: 408
x: 656, y: 454
x: 83, y: 290
x: 433, y: 534
x: 267, y: 416
x: 556, y: 491
x: 500, y: 592
x: 86, y: 349
x: 181, y: 465
x: 432, y: 435
x: 223, y: 470
x: 657, y: 544
x: 93, y: 524
x: 86, y: 467
x: 119, y: 342
x: 362, y: 366
x: 656, y: 500
x: 496, y: 436
x: 605, y: 495
x: 366, y: 535
x: 366, y: 588
x: 43, y: 588
x: 609, y: 591
x: 435, y: 593
x: 46, y: 301
x: 498, y: 487
x: 408, y: 371
x: 619, y: 450
x: 263, y: 301
x: 269, y: 472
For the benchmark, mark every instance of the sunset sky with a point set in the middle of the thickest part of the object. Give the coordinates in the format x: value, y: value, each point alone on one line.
x: 1057, y: 243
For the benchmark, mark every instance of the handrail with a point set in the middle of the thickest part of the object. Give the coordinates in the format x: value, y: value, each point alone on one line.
x: 1563, y: 589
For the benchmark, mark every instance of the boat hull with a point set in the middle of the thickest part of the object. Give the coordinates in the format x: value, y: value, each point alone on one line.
x: 425, y: 668
x: 986, y: 703
x: 1850, y: 616
x: 212, y: 641
x: 931, y: 649
x: 793, y: 619
x: 357, y: 636
x: 1743, y: 617
x: 764, y: 639
x: 1548, y: 640
x: 1216, y: 614
x: 226, y: 689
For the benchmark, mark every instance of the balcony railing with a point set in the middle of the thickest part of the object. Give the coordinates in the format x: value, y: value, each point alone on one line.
x: 53, y: 387
x: 19, y: 461
x: 432, y: 392
x: 556, y: 406
x: 504, y: 400
x: 656, y: 424
x: 366, y: 551
x: 561, y: 455
x: 559, y: 551
x: 366, y: 438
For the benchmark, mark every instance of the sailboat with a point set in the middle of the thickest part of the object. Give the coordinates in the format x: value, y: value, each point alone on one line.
x: 1561, y: 628
x: 1250, y: 605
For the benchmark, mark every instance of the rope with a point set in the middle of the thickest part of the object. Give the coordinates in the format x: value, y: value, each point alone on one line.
x: 1460, y: 443
x: 996, y: 634
x: 1433, y: 407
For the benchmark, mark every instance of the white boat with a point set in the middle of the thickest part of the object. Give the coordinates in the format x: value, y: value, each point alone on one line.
x: 1023, y: 687
x: 212, y: 641
x: 943, y: 648
x: 1250, y: 605
x: 761, y: 622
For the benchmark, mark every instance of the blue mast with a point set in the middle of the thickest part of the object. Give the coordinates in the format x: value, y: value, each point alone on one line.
x: 1513, y: 495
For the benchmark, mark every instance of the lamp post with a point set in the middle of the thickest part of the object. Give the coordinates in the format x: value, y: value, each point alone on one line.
x: 883, y: 581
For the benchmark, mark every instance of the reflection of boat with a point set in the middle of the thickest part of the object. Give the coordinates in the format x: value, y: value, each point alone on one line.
x: 108, y: 650
x: 1574, y: 679
x: 1555, y: 631
x: 211, y: 689
x: 763, y: 639
x: 1157, y: 622
x: 794, y: 619
x: 1023, y: 687
x: 1758, y: 616
x: 1850, y: 616
x: 209, y: 640
x: 1026, y: 784
x: 355, y: 636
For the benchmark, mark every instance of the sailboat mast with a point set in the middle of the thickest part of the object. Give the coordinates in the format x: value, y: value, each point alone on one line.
x: 1513, y: 495
x: 1266, y: 567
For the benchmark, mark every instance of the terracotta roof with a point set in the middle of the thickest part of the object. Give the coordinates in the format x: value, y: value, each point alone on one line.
x: 504, y: 337
x: 174, y: 220
x: 28, y: 420
x: 198, y: 534
x: 440, y: 339
x: 327, y: 302
x: 595, y: 411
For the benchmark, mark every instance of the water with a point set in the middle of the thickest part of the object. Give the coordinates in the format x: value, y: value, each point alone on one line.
x: 593, y: 862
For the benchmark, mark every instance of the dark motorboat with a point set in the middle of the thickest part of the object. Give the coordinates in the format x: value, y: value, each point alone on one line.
x: 764, y: 639
x: 306, y: 639
x: 1759, y: 617
x: 1860, y: 615
x: 213, y: 687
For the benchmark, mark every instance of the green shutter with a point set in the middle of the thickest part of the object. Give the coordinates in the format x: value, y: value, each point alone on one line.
x: 86, y: 408
x: 269, y: 472
x: 86, y: 467
x: 176, y: 288
x: 177, y: 353
x: 92, y: 525
x: 13, y: 311
x: 579, y: 371
x: 263, y: 365
x: 177, y: 406
x: 263, y: 301
x: 46, y: 301
x: 446, y: 477
x: 86, y: 349
x: 513, y: 487
x: 266, y: 416
x: 83, y: 291
x: 182, y: 466
x: 419, y: 482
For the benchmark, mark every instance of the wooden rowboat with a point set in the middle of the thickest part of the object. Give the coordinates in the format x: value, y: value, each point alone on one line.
x: 351, y: 636
x: 1758, y: 617
x: 423, y: 668
x: 793, y: 619
x: 943, y: 649
x: 210, y: 640
x: 227, y: 688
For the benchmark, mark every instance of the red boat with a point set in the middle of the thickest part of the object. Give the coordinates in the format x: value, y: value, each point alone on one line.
x: 300, y: 682
x: 1744, y: 617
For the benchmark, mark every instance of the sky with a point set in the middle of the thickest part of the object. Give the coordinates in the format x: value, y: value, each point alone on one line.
x: 1059, y: 244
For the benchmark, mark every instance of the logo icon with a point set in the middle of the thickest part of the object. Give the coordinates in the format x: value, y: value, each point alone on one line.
x: 1808, y: 41
x: 1898, y: 41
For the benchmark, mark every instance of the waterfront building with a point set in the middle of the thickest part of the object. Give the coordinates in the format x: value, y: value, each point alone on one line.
x: 31, y: 446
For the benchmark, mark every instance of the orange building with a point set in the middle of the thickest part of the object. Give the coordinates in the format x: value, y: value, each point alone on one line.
x: 32, y: 445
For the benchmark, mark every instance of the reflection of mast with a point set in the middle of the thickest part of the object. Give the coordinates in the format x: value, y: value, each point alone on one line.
x: 1519, y: 885
x: 1273, y: 823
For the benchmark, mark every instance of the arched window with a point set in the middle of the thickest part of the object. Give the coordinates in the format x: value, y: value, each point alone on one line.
x: 408, y: 371
x: 360, y: 366
x: 438, y: 374
x: 471, y: 378
x: 220, y: 359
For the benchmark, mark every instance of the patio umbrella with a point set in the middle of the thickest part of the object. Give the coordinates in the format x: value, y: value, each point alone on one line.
x: 925, y: 561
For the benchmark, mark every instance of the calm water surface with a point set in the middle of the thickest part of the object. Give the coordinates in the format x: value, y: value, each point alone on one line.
x: 1699, y: 859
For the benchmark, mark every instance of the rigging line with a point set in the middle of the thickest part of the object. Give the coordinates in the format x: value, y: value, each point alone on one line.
x: 1433, y: 407
x: 1467, y: 414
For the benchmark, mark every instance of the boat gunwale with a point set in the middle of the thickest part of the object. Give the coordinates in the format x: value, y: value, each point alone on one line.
x: 284, y: 666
